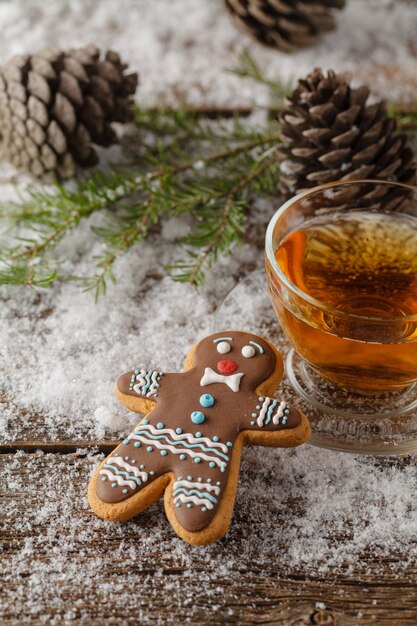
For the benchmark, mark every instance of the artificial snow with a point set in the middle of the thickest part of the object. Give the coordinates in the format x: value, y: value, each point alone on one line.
x: 324, y: 514
x: 60, y: 353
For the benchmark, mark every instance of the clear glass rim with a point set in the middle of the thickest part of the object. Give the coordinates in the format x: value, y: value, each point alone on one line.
x: 270, y: 253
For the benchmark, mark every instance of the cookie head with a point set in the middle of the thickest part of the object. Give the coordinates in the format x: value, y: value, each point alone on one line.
x: 249, y: 358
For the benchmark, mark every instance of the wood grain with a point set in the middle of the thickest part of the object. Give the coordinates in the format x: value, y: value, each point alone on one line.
x: 49, y: 535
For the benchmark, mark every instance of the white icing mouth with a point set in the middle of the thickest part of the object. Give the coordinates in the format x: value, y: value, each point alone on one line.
x: 232, y: 380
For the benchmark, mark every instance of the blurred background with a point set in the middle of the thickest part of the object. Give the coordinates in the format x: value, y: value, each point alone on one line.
x: 181, y: 47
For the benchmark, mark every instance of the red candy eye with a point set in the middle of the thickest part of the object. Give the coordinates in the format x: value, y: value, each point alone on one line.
x: 227, y: 367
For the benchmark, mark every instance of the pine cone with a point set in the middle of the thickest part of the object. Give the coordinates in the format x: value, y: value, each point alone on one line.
x: 330, y: 133
x: 284, y: 24
x: 54, y: 105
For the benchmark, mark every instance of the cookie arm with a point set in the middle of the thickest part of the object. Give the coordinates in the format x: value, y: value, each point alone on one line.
x: 140, y: 389
x: 270, y: 415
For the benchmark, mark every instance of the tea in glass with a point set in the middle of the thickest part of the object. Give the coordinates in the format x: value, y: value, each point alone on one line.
x: 362, y: 267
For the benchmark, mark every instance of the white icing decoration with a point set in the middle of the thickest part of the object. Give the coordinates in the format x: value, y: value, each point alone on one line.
x: 142, y: 383
x: 195, y: 499
x: 210, y: 377
x: 141, y: 379
x: 248, y: 352
x: 132, y: 469
x: 200, y: 486
x: 279, y: 413
x: 118, y: 479
x: 187, y: 436
x: 154, y: 386
x: 264, y: 409
x: 223, y: 347
x: 166, y: 446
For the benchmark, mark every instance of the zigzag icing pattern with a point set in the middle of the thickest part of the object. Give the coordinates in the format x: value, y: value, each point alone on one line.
x: 267, y: 409
x: 196, y: 492
x: 203, y: 501
x: 125, y: 474
x: 193, y: 485
x: 147, y: 383
x: 152, y: 440
x: 262, y: 414
x: 122, y: 482
x: 279, y: 413
x: 199, y: 446
x: 132, y: 469
x: 154, y: 384
x: 188, y: 436
x: 195, y: 496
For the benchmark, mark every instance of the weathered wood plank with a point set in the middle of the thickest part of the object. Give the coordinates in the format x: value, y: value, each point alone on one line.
x: 62, y: 565
x: 63, y: 447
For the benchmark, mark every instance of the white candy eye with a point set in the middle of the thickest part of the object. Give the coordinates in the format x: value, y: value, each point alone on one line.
x: 248, y: 352
x: 223, y: 347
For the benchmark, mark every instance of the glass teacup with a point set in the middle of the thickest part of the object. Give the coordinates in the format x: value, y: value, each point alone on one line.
x: 341, y: 264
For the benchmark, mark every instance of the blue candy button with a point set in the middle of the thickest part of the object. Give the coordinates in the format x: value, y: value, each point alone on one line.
x: 206, y: 400
x: 197, y: 417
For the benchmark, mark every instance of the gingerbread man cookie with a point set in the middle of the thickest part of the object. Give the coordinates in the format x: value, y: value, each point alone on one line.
x: 189, y: 444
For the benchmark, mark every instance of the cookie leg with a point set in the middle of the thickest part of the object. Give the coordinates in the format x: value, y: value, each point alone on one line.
x: 128, y: 481
x: 200, y: 509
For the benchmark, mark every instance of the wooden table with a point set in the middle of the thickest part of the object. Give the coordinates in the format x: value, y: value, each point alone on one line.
x: 159, y: 588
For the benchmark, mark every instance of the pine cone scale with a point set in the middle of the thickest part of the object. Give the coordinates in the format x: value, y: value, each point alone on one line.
x: 36, y: 131
x: 317, y: 135
x: 346, y: 139
x: 17, y: 92
x: 43, y: 68
x: 38, y: 111
x: 334, y: 158
x: 56, y: 138
x: 13, y: 73
x: 373, y: 132
x: 368, y: 154
x: 323, y: 176
x: 31, y: 148
x: 48, y: 157
x: 74, y: 67
x: 346, y: 119
x: 19, y: 109
x: 70, y: 88
x: 38, y: 87
x: 64, y: 113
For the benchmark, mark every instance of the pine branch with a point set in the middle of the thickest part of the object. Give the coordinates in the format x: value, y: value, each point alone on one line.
x: 15, y: 274
x: 181, y: 189
x: 406, y: 116
x: 221, y: 229
x: 51, y: 216
x: 248, y: 68
x: 121, y: 241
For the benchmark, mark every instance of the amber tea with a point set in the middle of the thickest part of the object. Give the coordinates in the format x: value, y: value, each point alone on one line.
x: 362, y: 267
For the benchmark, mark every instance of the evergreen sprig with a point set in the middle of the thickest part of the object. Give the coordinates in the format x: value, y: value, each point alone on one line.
x: 247, y: 67
x: 185, y: 164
